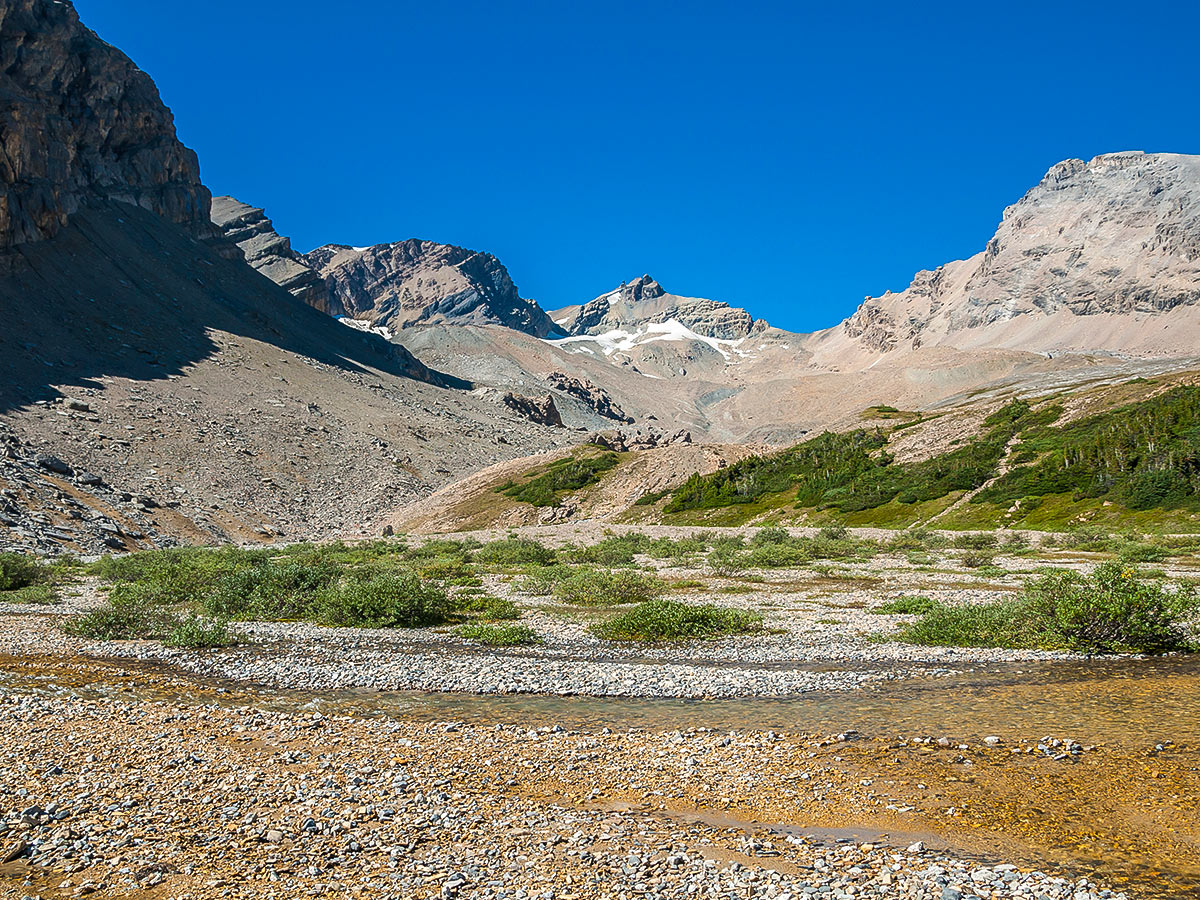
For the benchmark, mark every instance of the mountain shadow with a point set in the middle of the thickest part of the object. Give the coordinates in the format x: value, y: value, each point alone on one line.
x: 121, y: 292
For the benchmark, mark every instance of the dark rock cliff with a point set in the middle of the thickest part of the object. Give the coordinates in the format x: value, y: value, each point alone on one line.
x: 79, y: 122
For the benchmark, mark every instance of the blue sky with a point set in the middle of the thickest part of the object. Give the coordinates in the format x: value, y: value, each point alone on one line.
x: 786, y: 157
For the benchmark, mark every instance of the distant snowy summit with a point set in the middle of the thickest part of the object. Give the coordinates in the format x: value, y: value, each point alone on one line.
x: 643, y: 302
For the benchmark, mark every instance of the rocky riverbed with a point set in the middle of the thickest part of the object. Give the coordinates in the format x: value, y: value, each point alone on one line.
x: 116, y: 797
x: 305, y: 762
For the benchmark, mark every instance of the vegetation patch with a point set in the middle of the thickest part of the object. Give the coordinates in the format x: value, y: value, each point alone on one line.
x: 488, y: 608
x: 27, y: 579
x: 912, y: 605
x: 598, y: 587
x: 1144, y: 455
x: 542, y: 580
x: 500, y: 635
x: 1116, y: 609
x: 516, y: 551
x: 561, y: 476
x: 670, y: 620
x: 20, y: 571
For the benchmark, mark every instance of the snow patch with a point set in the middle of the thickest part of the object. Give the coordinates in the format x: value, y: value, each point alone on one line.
x: 360, y: 325
x: 672, y: 330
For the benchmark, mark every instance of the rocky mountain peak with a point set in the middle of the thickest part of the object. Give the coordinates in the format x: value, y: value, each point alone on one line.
x: 643, y: 301
x: 270, y: 252
x: 1116, y: 236
x: 414, y: 282
x: 644, y: 288
x: 81, y: 124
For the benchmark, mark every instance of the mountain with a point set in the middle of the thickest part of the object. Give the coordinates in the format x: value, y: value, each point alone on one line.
x: 1098, y: 256
x: 81, y: 123
x: 270, y: 253
x: 153, y: 386
x: 415, y: 282
x: 642, y: 302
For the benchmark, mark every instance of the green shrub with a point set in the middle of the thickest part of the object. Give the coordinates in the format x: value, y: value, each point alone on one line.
x: 563, y: 475
x: 776, y: 556
x: 916, y: 539
x: 677, y: 550
x: 541, y: 582
x: 451, y: 570
x: 1016, y: 542
x: 176, y: 575
x: 771, y: 535
x: 34, y: 595
x: 441, y: 547
x: 20, y: 571
x: 1007, y: 624
x: 976, y: 540
x: 670, y: 620
x: 1142, y: 553
x: 490, y: 608
x: 1090, y: 538
x: 384, y: 601
x: 269, y: 591
x: 727, y: 543
x: 975, y: 559
x: 615, y: 550
x: 911, y: 605
x: 597, y: 587
x: 125, y: 618
x: 196, y: 633
x: 1112, y: 610
x: 989, y: 570
x: 500, y: 635
x: 726, y: 561
x: 1116, y: 609
x: 516, y: 551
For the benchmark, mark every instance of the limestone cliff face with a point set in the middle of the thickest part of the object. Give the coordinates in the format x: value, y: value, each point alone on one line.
x: 271, y: 253
x: 80, y: 122
x: 643, y: 301
x: 1093, y: 244
x: 421, y: 282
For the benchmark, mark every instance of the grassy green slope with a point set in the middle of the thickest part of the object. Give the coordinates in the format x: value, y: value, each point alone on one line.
x: 1136, y: 464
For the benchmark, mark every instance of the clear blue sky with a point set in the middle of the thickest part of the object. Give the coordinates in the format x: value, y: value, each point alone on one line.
x: 786, y: 157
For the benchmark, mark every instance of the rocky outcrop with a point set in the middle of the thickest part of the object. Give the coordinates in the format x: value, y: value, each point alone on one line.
x: 596, y: 398
x: 81, y: 123
x: 539, y: 410
x: 643, y: 302
x: 1115, y: 237
x: 420, y: 282
x: 270, y: 252
x: 622, y: 441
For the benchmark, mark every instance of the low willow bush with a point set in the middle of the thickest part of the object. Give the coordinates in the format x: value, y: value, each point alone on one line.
x: 122, y: 620
x: 1115, y: 609
x: 198, y: 633
x: 500, y: 635
x: 488, y: 608
x: 912, y: 605
x: 186, y: 596
x: 20, y: 571
x: 541, y: 581
x: 599, y: 587
x: 670, y: 620
x: 132, y: 617
x: 34, y: 595
x: 515, y: 551
x: 614, y: 550
x: 401, y: 600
